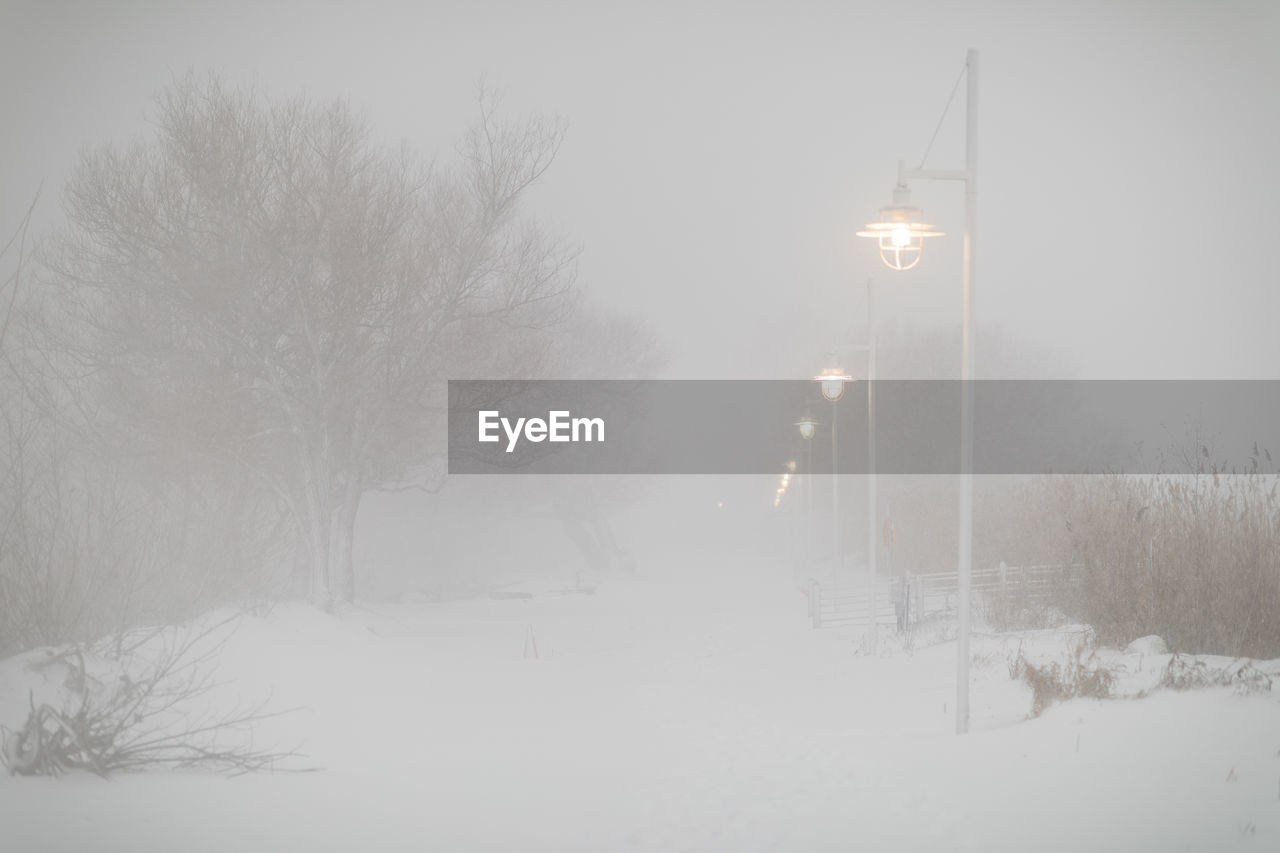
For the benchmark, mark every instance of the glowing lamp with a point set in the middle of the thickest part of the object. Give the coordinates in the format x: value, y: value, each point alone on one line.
x: 831, y: 381
x: 900, y: 231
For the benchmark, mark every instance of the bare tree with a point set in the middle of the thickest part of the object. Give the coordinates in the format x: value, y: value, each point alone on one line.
x: 261, y: 282
x: 16, y: 432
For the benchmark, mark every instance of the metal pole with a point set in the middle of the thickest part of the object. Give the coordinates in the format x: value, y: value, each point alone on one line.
x: 797, y: 516
x: 835, y: 500
x: 871, y: 474
x: 966, y: 394
x: 808, y: 506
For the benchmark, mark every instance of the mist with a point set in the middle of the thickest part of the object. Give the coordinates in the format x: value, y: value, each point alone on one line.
x: 253, y: 254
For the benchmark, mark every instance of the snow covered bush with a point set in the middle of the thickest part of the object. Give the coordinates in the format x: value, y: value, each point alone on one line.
x: 1183, y: 673
x: 146, y: 707
x: 1081, y: 675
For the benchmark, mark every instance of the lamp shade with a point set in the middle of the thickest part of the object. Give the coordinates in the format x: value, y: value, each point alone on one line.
x: 900, y: 231
x: 831, y: 381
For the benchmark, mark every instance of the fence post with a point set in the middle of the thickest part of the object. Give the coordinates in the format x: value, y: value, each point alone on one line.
x: 815, y: 602
x: 906, y: 602
x: 917, y: 589
x: 1006, y: 606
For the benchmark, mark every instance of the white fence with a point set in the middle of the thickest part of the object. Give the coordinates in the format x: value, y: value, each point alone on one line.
x: 902, y: 601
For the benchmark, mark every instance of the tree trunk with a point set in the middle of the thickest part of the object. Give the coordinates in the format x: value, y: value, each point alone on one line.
x: 300, y: 582
x: 344, y: 575
x: 319, y: 550
x: 316, y: 506
x: 316, y: 491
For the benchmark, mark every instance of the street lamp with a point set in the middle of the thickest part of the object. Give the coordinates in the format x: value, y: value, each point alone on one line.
x: 807, y: 427
x: 870, y: 349
x: 900, y: 233
x: 831, y: 380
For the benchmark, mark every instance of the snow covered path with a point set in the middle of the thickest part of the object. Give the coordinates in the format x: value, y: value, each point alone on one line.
x: 669, y: 716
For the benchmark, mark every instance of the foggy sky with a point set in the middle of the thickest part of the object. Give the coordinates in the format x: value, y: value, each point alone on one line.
x: 718, y: 161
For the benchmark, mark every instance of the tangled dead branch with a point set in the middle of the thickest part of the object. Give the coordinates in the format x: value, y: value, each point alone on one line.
x: 151, y: 715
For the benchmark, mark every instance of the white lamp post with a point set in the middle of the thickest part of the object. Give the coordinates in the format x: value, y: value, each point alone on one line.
x: 872, y: 574
x: 831, y: 380
x: 807, y: 427
x: 871, y: 474
x: 901, y: 233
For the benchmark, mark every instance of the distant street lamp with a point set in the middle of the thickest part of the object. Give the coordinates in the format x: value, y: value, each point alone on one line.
x: 831, y: 380
x: 901, y: 232
x: 870, y: 349
x: 807, y: 427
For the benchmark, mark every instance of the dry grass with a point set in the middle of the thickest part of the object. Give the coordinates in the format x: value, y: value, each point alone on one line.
x: 1051, y: 682
x: 1194, y: 559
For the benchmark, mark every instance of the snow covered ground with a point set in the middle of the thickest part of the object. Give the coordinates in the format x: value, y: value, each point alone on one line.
x: 664, y: 714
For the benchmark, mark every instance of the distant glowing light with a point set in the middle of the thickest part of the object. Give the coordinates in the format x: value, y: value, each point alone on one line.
x: 832, y: 380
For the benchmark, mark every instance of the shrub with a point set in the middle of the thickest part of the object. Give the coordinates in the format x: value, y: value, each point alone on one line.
x: 1081, y: 675
x: 1193, y: 558
x: 1183, y: 673
x: 147, y: 709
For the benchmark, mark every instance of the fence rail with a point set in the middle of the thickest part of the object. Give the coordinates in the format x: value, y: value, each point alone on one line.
x: 901, y: 602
